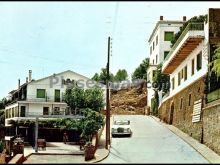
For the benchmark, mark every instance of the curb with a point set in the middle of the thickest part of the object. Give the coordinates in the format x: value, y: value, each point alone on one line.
x: 99, y: 160
x: 209, y: 157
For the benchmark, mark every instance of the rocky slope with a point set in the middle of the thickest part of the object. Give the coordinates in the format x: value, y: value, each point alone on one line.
x: 129, y: 101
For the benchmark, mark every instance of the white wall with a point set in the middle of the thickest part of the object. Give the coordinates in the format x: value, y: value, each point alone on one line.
x: 50, y: 84
x: 159, y: 52
x: 162, y: 45
x: 165, y: 45
x: 190, y: 78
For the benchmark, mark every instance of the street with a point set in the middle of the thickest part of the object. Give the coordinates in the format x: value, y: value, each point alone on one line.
x: 150, y: 142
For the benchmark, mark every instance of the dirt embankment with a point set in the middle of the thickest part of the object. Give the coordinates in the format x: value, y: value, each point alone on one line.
x: 129, y: 101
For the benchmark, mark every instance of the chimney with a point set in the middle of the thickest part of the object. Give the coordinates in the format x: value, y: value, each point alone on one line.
x: 184, y: 18
x: 26, y: 79
x: 19, y: 83
x: 161, y: 18
x: 30, y: 75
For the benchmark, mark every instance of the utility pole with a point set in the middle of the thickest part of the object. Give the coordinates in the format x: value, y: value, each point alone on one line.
x: 36, y: 134
x: 107, y: 100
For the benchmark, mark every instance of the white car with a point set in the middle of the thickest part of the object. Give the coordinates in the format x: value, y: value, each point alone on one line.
x: 121, y: 127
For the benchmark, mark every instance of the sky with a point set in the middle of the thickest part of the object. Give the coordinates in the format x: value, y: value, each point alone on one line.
x: 51, y: 37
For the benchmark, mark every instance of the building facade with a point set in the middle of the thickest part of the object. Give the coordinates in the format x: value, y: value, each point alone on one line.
x: 44, y: 97
x: 160, y: 45
x: 187, y: 66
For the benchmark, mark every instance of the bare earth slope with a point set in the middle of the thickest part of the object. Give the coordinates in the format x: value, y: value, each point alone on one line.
x: 129, y: 101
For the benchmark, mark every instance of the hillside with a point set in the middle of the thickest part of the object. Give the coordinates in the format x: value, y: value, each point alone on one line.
x: 129, y: 101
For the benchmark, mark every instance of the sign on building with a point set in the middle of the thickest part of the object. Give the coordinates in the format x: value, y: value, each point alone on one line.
x: 197, y: 111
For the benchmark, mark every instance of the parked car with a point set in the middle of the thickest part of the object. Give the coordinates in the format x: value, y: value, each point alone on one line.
x: 121, y: 127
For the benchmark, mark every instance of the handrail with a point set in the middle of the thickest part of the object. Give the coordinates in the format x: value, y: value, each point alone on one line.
x: 189, y: 27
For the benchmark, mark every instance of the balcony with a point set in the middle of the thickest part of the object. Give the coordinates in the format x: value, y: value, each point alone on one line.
x: 190, y: 38
x: 32, y: 98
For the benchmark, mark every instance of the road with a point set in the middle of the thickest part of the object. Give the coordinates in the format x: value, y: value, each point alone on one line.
x: 151, y: 142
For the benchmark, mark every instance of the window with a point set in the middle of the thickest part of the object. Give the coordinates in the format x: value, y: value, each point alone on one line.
x: 165, y: 54
x: 173, y: 83
x: 199, y: 61
x: 151, y: 50
x: 56, y: 111
x: 189, y: 99
x: 153, y: 45
x: 179, y: 78
x: 22, y: 112
x: 182, y: 74
x: 57, y: 95
x: 156, y: 59
x: 181, y: 103
x: 193, y: 66
x: 41, y: 93
x: 156, y: 40
x: 13, y: 115
x: 168, y: 36
x: 46, y: 111
x: 185, y: 73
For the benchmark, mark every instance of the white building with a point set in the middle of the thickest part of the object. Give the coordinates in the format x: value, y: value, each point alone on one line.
x: 44, y: 97
x: 160, y: 45
x: 187, y: 61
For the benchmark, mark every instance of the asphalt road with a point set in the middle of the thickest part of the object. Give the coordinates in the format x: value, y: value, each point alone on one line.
x: 150, y: 142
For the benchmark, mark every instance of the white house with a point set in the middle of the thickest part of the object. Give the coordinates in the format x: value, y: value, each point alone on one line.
x: 44, y: 97
x: 188, y: 59
x: 160, y: 45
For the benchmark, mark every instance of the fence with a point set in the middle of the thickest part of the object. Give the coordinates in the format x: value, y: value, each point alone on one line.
x: 212, y: 96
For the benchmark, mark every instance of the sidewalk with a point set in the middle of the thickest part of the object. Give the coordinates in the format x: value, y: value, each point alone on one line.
x: 206, y: 152
x: 101, y: 152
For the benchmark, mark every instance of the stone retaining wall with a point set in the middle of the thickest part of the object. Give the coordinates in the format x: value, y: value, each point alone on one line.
x: 182, y: 117
x: 211, y: 121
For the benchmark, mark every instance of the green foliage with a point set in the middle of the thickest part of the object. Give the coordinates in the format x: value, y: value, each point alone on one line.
x: 2, y: 118
x: 94, y: 99
x: 92, y: 122
x: 121, y: 75
x: 88, y: 125
x: 3, y: 102
x: 195, y: 19
x: 161, y: 81
x: 141, y: 71
x: 155, y: 103
x: 215, y: 63
x: 96, y: 77
x: 102, y: 77
x: 80, y: 98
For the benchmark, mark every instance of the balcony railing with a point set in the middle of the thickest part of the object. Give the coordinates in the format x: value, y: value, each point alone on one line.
x: 189, y: 27
x: 46, y: 99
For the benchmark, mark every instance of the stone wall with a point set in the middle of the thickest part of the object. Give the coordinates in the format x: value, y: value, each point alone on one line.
x: 182, y: 117
x: 211, y: 121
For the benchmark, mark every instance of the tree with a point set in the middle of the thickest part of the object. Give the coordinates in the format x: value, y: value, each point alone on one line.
x: 215, y: 64
x: 161, y: 82
x: 121, y: 75
x: 96, y: 77
x: 141, y: 71
x: 103, y: 76
x: 94, y: 99
x: 91, y: 123
x: 78, y: 98
x: 155, y: 103
x: 195, y: 19
x: 3, y: 102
